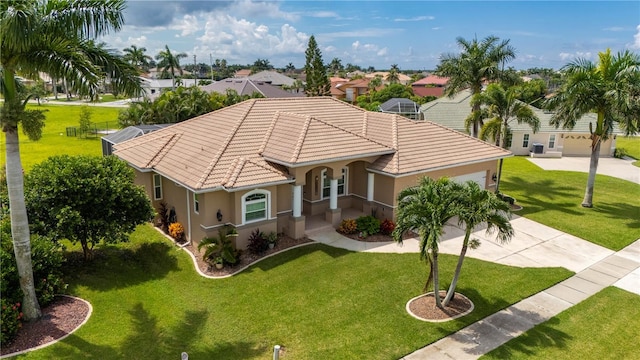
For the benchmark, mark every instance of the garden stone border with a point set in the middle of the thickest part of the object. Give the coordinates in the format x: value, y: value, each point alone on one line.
x: 407, y: 307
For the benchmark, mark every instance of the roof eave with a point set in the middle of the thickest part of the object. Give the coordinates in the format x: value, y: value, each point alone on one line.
x: 438, y: 167
x: 327, y: 160
x: 261, y: 185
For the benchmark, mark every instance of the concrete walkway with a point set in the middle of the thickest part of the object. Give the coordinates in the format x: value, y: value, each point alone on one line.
x: 534, y: 245
x: 620, y: 168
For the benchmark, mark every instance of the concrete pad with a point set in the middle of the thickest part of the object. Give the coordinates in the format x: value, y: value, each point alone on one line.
x: 456, y: 346
x: 520, y: 261
x: 510, y: 323
x: 535, y: 229
x: 519, y: 242
x: 407, y: 246
x: 428, y: 352
x: 598, y: 277
x: 349, y: 244
x: 573, y: 244
x: 567, y: 294
x: 537, y: 314
x: 552, y: 255
x: 631, y: 282
x: 631, y: 252
x: 620, y: 168
x: 488, y: 251
x: 583, y: 285
x: 485, y: 336
x: 621, y: 262
x: 550, y: 305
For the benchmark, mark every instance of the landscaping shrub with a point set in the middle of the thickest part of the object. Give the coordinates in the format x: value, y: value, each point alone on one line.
x: 163, y: 216
x: 506, y: 198
x: 176, y: 230
x: 257, y: 242
x: 10, y: 320
x: 387, y: 226
x: 620, y: 153
x: 348, y: 226
x: 368, y: 225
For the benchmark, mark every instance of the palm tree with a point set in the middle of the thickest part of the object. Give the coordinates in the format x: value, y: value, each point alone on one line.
x: 219, y: 248
x: 610, y: 89
x: 136, y: 56
x: 393, y: 77
x: 374, y: 83
x: 476, y: 63
x: 478, y: 206
x: 54, y: 38
x: 502, y: 107
x: 426, y: 208
x: 169, y: 63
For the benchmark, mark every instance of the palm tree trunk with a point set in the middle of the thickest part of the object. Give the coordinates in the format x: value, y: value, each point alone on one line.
x: 55, y: 88
x: 456, y: 275
x: 593, y: 167
x: 476, y: 128
x: 20, y: 226
x: 436, y: 280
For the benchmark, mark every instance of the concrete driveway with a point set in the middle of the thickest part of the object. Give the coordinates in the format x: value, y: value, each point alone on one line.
x: 620, y: 168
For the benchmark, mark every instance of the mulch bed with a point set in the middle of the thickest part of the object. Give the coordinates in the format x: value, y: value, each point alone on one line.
x: 425, y: 307
x: 378, y: 237
x: 59, y: 318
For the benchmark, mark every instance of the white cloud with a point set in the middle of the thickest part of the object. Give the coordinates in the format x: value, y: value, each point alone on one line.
x: 614, y: 28
x: 330, y: 48
x: 416, y: 18
x: 436, y: 28
x: 187, y: 25
x: 571, y: 56
x: 636, y: 40
x: 357, y: 46
x: 251, y: 9
x: 382, y: 52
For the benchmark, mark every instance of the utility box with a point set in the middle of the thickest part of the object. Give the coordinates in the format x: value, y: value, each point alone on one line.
x: 538, y: 148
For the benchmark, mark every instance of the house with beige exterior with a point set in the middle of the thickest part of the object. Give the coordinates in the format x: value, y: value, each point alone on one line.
x: 548, y: 141
x: 274, y: 163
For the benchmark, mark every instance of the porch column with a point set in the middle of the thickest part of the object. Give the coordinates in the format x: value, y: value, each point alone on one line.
x: 333, y: 194
x: 297, y: 200
x: 370, y: 177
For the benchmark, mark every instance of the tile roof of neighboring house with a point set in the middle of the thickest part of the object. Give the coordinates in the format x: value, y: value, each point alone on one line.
x: 402, y: 78
x: 131, y: 132
x: 246, y: 86
x: 431, y: 80
x: 336, y: 79
x: 243, y: 73
x: 273, y: 78
x: 423, y: 91
x: 451, y: 112
x: 248, y: 144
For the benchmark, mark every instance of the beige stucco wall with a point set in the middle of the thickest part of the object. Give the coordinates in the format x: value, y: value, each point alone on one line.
x: 569, y: 144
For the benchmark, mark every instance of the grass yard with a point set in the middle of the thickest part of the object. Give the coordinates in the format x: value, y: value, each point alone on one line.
x: 54, y: 140
x: 571, y: 335
x: 317, y: 301
x: 631, y: 146
x: 553, y: 198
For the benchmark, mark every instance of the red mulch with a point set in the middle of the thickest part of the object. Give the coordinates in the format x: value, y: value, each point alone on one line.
x: 425, y: 307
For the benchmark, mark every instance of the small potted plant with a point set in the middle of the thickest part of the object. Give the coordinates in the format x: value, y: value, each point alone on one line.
x: 272, y: 239
x: 218, y: 262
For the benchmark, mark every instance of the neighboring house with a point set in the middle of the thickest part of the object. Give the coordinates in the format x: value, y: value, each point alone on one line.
x: 273, y: 163
x: 402, y: 78
x: 242, y: 73
x: 403, y: 107
x: 153, y: 87
x: 551, y: 142
x: 431, y: 85
x: 352, y: 89
x: 157, y: 73
x: 247, y: 86
x: 272, y: 77
x: 125, y: 134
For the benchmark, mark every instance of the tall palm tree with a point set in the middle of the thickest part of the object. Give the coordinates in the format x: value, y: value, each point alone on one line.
x: 477, y: 207
x: 478, y: 61
x: 502, y: 107
x: 426, y: 208
x: 611, y: 89
x: 169, y: 63
x: 54, y: 37
x: 393, y: 77
x: 136, y: 56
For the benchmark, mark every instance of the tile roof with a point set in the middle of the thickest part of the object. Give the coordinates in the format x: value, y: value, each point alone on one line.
x: 272, y: 77
x: 432, y: 80
x: 249, y: 144
x: 246, y: 86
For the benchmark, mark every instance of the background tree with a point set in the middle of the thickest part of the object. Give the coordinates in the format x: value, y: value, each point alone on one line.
x: 50, y: 37
x: 394, y: 74
x: 532, y: 92
x: 261, y: 65
x: 611, y: 89
x: 426, y: 209
x: 85, y: 121
x: 335, y: 66
x: 478, y: 61
x: 502, y: 108
x: 289, y: 68
x: 85, y: 199
x: 137, y: 57
x: 318, y: 83
x: 170, y: 63
x: 476, y: 207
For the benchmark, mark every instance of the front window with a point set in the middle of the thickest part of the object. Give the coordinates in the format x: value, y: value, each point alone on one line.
x: 525, y: 141
x: 157, y: 187
x: 196, y: 203
x: 326, y: 184
x: 552, y: 141
x: 255, y: 206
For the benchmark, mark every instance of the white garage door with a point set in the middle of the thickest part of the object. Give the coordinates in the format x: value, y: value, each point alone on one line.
x: 479, y: 177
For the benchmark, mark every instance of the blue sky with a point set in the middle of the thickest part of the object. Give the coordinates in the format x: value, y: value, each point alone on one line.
x: 412, y: 34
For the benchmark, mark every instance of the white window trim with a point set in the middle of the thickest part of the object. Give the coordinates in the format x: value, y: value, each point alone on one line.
x: 323, y: 175
x: 157, y: 186
x: 196, y: 204
x: 550, y: 141
x: 267, y: 193
x: 526, y: 138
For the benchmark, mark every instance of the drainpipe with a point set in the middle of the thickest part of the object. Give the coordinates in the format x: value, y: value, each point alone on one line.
x: 188, y: 219
x: 499, y: 176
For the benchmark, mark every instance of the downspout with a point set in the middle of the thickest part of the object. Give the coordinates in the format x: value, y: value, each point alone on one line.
x: 499, y: 176
x: 188, y: 220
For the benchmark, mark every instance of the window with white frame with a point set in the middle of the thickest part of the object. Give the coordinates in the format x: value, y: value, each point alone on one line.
x: 525, y: 141
x: 157, y: 187
x: 255, y: 206
x: 326, y: 184
x: 196, y: 203
x: 552, y: 141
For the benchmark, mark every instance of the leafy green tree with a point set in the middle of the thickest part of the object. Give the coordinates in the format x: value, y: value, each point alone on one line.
x: 289, y: 68
x: 85, y: 199
x: 318, y: 83
x: 394, y: 74
x: 610, y: 89
x: 479, y: 61
x: 170, y: 63
x: 501, y: 108
x: 477, y: 207
x: 335, y: 66
x: 425, y: 209
x: 260, y: 65
x: 137, y: 57
x: 85, y: 120
x: 53, y: 37
x: 532, y: 92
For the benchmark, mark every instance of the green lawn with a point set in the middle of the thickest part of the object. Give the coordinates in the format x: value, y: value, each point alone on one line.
x: 572, y: 334
x: 317, y: 301
x: 553, y: 198
x: 54, y: 140
x: 631, y: 146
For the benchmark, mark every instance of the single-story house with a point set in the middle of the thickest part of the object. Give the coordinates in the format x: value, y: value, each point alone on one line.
x: 401, y: 106
x: 153, y: 87
x: 402, y: 78
x: 547, y: 142
x: 246, y: 86
x: 271, y: 163
x: 272, y: 77
x: 431, y: 85
x: 128, y: 133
